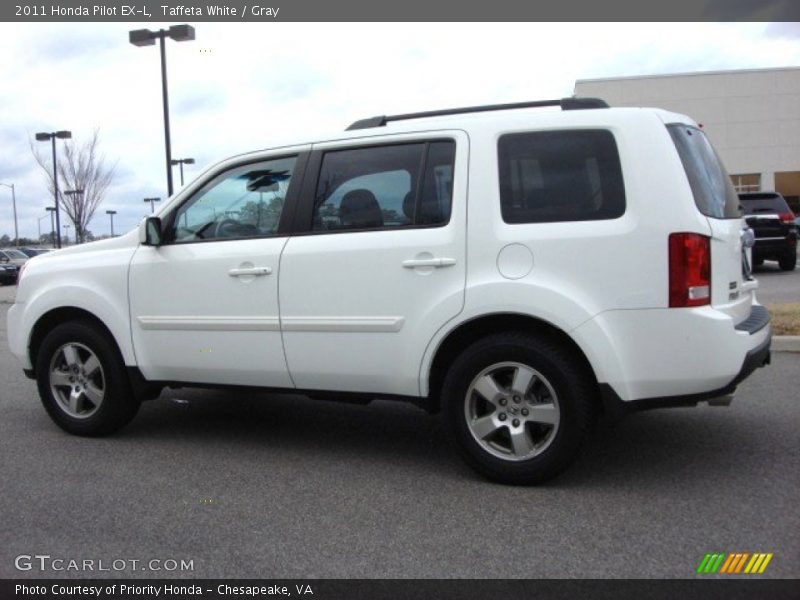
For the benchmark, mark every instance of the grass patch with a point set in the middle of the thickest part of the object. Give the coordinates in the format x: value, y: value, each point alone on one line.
x: 785, y: 318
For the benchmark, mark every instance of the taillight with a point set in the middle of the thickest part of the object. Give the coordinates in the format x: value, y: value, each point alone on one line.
x: 689, y: 270
x: 787, y: 217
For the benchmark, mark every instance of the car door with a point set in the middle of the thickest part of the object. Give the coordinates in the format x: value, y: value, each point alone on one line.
x: 204, y: 304
x: 377, y: 264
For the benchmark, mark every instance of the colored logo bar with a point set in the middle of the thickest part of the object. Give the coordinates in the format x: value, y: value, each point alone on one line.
x: 734, y: 563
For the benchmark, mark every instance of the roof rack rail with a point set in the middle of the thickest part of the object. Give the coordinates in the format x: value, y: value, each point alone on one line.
x: 565, y: 104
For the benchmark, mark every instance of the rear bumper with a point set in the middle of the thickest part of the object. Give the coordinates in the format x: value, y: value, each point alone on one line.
x: 774, y: 247
x: 667, y: 352
x: 616, y: 407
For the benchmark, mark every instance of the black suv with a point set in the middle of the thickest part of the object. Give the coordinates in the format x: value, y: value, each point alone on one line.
x: 772, y: 222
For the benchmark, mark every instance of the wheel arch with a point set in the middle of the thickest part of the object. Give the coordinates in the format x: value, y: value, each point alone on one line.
x: 473, y: 329
x: 56, y: 316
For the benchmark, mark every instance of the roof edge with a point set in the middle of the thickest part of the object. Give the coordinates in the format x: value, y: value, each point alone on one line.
x: 689, y: 74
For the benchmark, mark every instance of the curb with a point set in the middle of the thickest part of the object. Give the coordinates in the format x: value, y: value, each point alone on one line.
x: 786, y: 343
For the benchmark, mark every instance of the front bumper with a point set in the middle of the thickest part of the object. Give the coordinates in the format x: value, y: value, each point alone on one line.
x: 17, y: 340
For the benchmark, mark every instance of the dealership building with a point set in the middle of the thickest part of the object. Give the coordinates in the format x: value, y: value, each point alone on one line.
x: 752, y: 117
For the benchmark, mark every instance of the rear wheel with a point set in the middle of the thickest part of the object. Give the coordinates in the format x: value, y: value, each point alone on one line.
x: 788, y: 261
x: 82, y: 380
x: 519, y: 407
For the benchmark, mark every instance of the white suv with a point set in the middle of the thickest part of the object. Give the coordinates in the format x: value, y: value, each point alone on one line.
x: 521, y: 268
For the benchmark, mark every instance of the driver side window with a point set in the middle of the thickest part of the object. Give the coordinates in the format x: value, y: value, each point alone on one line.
x: 244, y: 202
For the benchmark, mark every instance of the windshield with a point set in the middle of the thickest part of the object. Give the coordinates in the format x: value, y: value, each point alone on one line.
x: 711, y: 185
x: 15, y: 254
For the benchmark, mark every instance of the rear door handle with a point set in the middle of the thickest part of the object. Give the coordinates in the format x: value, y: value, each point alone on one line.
x: 250, y: 271
x: 429, y: 262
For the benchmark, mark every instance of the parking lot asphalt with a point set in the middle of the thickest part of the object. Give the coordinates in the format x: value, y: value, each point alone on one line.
x: 776, y: 286
x: 259, y: 485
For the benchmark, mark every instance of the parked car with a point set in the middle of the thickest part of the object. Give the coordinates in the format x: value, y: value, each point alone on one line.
x: 600, y: 271
x: 13, y: 256
x: 31, y: 252
x: 8, y: 274
x: 773, y: 222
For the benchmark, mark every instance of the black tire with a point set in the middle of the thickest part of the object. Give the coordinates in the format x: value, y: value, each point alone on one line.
x: 787, y: 262
x: 757, y: 262
x: 119, y: 404
x: 569, y: 377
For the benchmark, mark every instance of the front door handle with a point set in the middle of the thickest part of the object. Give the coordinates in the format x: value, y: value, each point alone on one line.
x: 250, y: 271
x: 429, y: 262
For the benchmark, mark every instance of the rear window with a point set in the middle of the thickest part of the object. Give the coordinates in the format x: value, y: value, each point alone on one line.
x: 763, y: 203
x: 711, y: 185
x: 549, y: 176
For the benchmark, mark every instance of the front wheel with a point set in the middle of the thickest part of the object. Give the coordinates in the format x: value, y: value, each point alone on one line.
x: 82, y: 380
x: 519, y: 406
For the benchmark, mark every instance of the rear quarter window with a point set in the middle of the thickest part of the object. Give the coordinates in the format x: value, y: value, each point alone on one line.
x: 567, y: 175
x: 711, y: 185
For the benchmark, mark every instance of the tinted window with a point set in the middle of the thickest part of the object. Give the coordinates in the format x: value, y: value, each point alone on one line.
x: 381, y: 187
x: 712, y: 188
x: 560, y: 176
x: 244, y: 202
x: 763, y: 203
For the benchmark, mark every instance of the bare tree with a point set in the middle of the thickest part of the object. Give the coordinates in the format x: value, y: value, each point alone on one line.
x: 81, y: 166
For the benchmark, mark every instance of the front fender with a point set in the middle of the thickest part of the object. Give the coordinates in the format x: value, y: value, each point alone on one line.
x: 95, y: 282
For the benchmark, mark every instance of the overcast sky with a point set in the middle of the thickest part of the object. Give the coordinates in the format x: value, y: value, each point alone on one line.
x: 241, y: 87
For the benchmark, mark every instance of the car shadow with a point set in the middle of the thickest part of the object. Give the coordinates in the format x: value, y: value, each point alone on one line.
x: 644, y: 448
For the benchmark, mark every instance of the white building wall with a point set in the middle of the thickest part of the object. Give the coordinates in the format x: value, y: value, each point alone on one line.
x: 751, y: 117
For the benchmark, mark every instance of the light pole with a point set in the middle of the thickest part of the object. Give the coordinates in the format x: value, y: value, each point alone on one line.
x: 51, y: 210
x: 39, y: 224
x: 66, y: 233
x: 181, y: 162
x: 14, y: 203
x: 111, y: 214
x: 152, y: 202
x: 44, y: 137
x: 145, y: 37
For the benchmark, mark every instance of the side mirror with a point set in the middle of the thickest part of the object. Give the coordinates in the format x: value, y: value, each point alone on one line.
x: 150, y: 231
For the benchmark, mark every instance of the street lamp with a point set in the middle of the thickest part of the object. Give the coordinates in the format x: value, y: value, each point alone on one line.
x: 152, y: 202
x: 39, y: 225
x: 181, y: 162
x: 14, y: 203
x: 145, y: 37
x: 51, y: 210
x: 111, y: 214
x: 44, y: 137
x: 75, y: 212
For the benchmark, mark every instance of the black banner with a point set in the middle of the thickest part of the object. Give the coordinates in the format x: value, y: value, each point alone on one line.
x: 407, y: 11
x: 398, y: 589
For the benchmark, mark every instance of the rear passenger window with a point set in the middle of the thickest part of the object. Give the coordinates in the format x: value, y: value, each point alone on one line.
x: 402, y: 185
x: 552, y: 176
